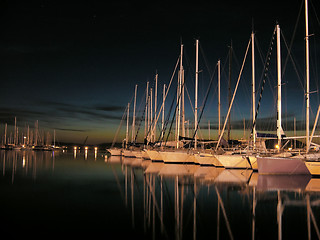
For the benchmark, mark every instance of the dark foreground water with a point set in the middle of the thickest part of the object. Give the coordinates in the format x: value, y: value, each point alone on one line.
x: 82, y: 194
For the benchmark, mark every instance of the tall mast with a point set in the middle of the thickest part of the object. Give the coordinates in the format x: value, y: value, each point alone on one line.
x: 36, y: 130
x: 155, y: 109
x: 229, y: 88
x: 279, y: 88
x: 15, y: 131
x: 134, y: 113
x: 196, y: 95
x: 219, y: 102
x: 5, y: 134
x: 179, y: 97
x: 163, y: 100
x: 182, y: 102
x: 146, y: 112
x: 307, y: 76
x: 253, y: 92
x: 28, y: 136
x: 127, y: 132
x: 151, y: 115
x: 54, y: 138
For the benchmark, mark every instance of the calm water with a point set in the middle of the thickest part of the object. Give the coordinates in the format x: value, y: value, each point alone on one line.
x: 80, y: 193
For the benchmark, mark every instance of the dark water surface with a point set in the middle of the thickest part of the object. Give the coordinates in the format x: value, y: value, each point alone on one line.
x: 45, y: 194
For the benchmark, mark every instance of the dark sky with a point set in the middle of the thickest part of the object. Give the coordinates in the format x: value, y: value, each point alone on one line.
x: 73, y: 65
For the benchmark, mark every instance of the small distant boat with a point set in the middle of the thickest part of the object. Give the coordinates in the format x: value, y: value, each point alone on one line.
x: 115, y: 151
x: 42, y: 148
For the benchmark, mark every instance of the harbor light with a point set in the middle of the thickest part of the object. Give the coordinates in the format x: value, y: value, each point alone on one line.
x: 277, y: 146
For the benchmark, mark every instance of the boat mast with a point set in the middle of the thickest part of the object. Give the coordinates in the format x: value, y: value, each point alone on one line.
x: 155, y: 109
x: 163, y: 100
x: 233, y: 96
x: 183, y: 111
x: 15, y: 131
x: 151, y: 115
x: 229, y: 88
x: 134, y: 113
x: 28, y: 136
x: 127, y: 132
x: 253, y: 92
x: 179, y: 97
x: 196, y: 95
x: 279, y: 88
x: 219, y: 102
x: 146, y: 112
x: 5, y: 134
x: 307, y: 76
x: 36, y: 130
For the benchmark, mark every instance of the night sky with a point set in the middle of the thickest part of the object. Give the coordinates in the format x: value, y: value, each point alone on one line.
x: 73, y: 65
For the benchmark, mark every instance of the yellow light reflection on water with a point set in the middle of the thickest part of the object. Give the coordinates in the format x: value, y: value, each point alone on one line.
x: 95, y: 153
x: 74, y: 152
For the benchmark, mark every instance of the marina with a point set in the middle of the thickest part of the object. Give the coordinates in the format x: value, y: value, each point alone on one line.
x: 160, y: 120
x: 267, y: 153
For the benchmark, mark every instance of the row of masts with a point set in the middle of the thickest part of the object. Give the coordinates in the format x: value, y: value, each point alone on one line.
x: 151, y: 117
x: 180, y: 129
x: 27, y: 137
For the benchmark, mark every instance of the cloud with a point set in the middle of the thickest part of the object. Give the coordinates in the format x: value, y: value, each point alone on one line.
x: 72, y: 130
x: 92, y: 112
x: 109, y: 108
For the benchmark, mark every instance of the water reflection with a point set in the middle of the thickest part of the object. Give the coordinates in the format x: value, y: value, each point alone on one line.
x: 181, y: 201
x: 26, y: 163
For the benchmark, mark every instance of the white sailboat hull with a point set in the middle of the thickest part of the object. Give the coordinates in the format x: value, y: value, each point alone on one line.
x: 207, y: 159
x: 128, y: 153
x: 177, y: 157
x: 235, y: 161
x: 115, y: 151
x: 154, y: 155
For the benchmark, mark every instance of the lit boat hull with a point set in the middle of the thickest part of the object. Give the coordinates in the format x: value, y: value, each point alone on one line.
x: 154, y: 155
x: 274, y: 165
x: 137, y: 153
x: 129, y: 153
x: 235, y: 161
x: 207, y: 159
x: 115, y: 151
x: 145, y: 155
x: 313, y: 167
x: 177, y: 157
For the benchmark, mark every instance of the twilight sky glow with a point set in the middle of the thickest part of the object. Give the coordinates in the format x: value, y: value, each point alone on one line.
x: 73, y: 65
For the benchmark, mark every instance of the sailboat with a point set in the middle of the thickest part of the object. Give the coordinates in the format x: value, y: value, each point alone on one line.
x: 179, y: 155
x: 302, y: 164
x: 241, y: 159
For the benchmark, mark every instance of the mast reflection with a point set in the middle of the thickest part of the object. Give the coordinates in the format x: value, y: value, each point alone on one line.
x: 185, y: 201
x: 25, y: 163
